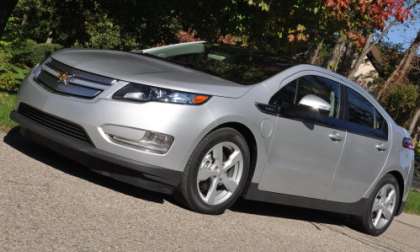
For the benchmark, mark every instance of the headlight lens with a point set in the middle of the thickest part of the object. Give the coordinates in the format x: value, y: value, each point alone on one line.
x: 144, y: 93
x: 36, y: 71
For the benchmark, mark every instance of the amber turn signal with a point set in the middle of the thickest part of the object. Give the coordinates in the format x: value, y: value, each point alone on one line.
x: 200, y: 99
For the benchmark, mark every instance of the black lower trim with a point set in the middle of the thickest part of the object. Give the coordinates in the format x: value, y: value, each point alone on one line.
x: 58, y: 124
x: 120, y: 168
x: 357, y: 208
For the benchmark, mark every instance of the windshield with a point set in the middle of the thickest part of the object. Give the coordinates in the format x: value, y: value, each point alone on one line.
x: 240, y: 65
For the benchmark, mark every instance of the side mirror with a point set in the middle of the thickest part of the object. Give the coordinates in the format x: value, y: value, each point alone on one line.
x: 316, y: 103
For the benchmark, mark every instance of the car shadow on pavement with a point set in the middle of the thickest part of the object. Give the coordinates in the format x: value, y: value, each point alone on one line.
x: 54, y: 160
x: 315, y: 217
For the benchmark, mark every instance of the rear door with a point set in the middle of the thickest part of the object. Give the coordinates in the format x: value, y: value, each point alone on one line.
x: 365, y: 152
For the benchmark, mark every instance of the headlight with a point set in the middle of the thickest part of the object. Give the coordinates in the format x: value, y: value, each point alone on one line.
x: 36, y: 71
x: 144, y: 93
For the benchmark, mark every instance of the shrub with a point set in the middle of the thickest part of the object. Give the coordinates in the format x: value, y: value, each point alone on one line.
x: 16, y: 60
x: 10, y: 75
x: 400, y: 102
x: 30, y: 53
x: 102, y: 33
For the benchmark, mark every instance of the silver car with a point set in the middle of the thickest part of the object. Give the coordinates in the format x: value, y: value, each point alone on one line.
x: 213, y: 123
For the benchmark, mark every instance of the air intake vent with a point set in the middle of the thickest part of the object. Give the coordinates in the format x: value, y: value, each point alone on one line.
x: 67, y: 128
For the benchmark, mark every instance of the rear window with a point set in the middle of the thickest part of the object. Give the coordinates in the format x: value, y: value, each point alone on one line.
x: 240, y: 65
x: 363, y: 113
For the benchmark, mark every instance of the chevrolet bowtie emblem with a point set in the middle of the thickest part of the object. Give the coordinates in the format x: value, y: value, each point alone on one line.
x: 65, y: 78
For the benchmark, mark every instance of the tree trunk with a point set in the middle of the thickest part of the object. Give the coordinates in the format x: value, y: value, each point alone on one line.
x: 6, y: 9
x: 370, y: 43
x: 339, y: 49
x: 360, y: 59
x: 413, y: 123
x: 346, y: 59
x: 49, y: 38
x: 315, y: 56
x: 403, y: 67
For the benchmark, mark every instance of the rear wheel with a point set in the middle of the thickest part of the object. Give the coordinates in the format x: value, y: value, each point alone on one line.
x: 217, y: 172
x: 383, y: 205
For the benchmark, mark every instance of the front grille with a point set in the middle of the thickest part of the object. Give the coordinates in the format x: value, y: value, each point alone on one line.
x: 76, y: 83
x: 80, y: 74
x: 52, y: 83
x: 67, y: 128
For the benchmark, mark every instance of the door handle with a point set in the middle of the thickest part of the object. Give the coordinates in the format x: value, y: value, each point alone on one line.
x: 335, y: 136
x: 380, y: 147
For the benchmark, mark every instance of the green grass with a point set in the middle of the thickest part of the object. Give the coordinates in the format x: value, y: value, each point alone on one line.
x: 413, y: 203
x: 7, y: 104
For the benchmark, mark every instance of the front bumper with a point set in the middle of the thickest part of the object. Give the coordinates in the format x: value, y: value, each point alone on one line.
x: 108, y: 164
x: 187, y: 124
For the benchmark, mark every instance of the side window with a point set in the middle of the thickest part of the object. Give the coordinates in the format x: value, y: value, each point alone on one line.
x: 381, y: 126
x: 287, y: 99
x: 363, y: 113
x: 360, y: 111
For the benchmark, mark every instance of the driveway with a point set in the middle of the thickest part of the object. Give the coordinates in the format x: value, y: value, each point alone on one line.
x: 48, y: 203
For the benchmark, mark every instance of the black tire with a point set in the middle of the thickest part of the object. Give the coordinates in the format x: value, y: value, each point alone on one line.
x: 365, y: 221
x: 188, y: 189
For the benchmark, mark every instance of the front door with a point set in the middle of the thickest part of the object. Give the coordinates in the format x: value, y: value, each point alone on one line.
x: 306, y: 147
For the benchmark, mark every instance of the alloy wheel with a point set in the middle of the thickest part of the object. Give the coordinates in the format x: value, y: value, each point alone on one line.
x: 220, y: 173
x: 384, y: 206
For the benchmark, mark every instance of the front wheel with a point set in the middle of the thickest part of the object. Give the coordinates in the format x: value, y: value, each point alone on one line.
x: 383, y: 205
x: 217, y: 172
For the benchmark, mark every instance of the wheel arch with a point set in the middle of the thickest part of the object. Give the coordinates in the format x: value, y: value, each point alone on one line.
x: 400, y: 179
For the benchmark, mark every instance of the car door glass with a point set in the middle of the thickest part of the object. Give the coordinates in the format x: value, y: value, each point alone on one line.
x: 380, y: 126
x: 362, y: 113
x: 287, y: 99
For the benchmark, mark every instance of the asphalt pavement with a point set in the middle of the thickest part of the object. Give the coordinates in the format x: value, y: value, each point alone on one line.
x: 48, y: 203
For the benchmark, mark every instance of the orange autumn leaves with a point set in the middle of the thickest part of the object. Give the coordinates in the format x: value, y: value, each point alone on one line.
x: 362, y: 15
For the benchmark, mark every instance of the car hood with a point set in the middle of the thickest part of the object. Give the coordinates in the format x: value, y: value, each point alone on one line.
x: 148, y: 70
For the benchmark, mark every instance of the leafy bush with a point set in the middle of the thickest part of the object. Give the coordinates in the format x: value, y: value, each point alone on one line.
x: 30, y: 53
x: 16, y: 60
x: 401, y: 101
x: 10, y: 75
x: 11, y: 78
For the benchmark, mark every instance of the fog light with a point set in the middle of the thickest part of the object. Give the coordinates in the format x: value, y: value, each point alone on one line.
x: 151, y: 141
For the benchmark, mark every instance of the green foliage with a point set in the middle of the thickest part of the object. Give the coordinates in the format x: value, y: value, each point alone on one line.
x: 29, y: 53
x: 102, y: 33
x: 413, y: 203
x: 401, y: 102
x: 32, y: 19
x: 10, y: 74
x: 16, y: 60
x: 391, y: 57
x: 7, y: 103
